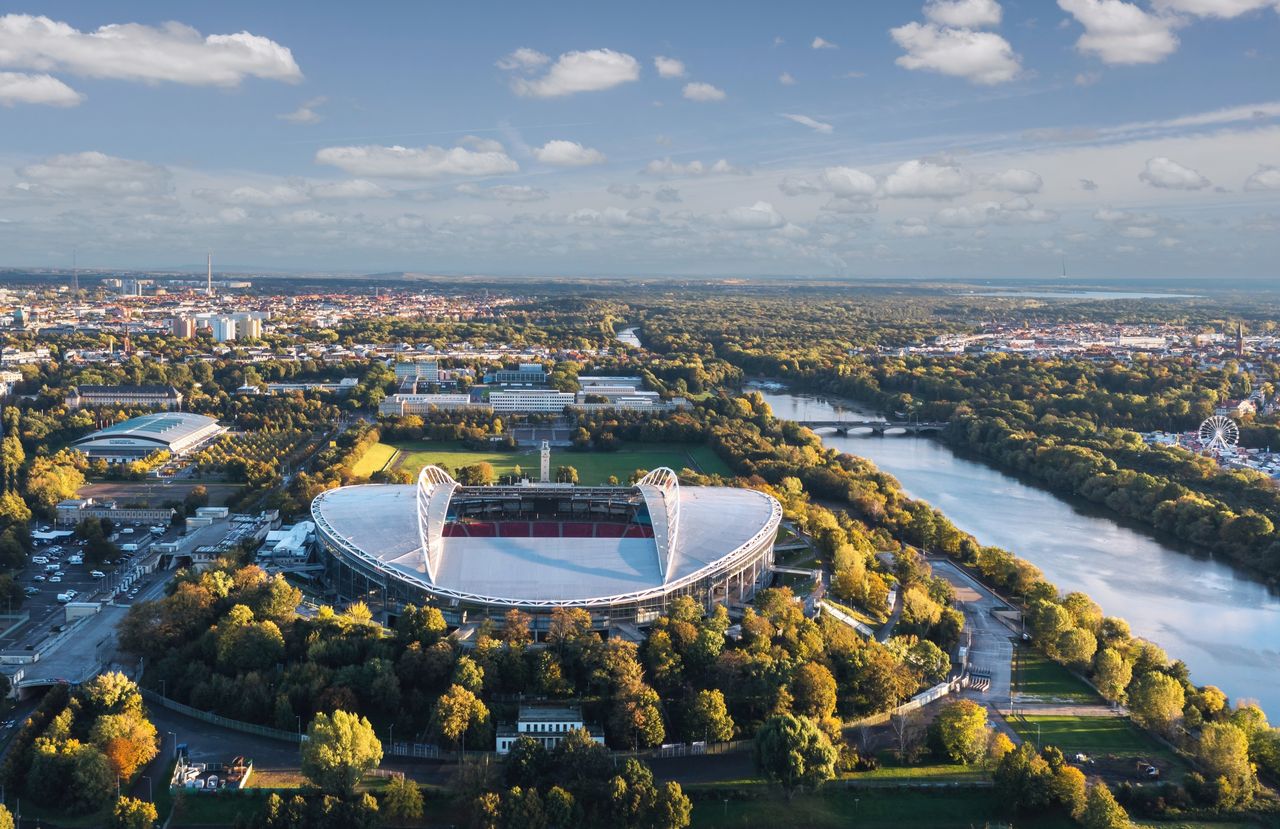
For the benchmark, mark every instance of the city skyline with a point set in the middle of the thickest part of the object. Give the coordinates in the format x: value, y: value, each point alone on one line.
x: 966, y: 138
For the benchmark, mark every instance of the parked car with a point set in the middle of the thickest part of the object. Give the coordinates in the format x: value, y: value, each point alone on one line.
x: 98, y: 574
x: 55, y: 580
x: 39, y: 560
x: 38, y: 577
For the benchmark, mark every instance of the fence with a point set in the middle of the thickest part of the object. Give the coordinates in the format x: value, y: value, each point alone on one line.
x: 224, y: 722
x: 418, y: 751
x: 918, y: 701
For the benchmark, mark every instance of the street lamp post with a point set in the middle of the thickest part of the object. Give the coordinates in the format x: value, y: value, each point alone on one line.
x: 150, y: 793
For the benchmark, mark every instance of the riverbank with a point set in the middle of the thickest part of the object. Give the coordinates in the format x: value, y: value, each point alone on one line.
x: 1219, y: 621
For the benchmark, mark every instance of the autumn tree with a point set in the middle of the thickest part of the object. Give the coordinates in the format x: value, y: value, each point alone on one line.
x: 458, y: 711
x: 338, y: 751
x: 961, y: 729
x: 402, y: 800
x: 132, y: 813
x: 794, y: 752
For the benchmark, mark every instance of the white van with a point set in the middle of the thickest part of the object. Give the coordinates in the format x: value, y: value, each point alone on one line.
x: 39, y: 560
x: 126, y: 530
x: 98, y: 574
x: 63, y: 598
x: 129, y: 548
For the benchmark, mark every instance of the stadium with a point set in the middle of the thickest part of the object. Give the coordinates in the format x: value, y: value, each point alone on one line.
x: 620, y: 552
x: 179, y: 433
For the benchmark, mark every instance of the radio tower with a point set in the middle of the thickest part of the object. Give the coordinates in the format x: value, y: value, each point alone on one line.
x: 75, y: 275
x: 208, y: 285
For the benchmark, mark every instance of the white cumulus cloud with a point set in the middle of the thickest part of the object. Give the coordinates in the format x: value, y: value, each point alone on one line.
x: 1215, y: 8
x: 822, y: 43
x: 928, y: 179
x: 1170, y: 175
x: 981, y: 57
x: 562, y: 153
x: 699, y: 91
x: 669, y: 67
x: 503, y: 192
x: 759, y: 216
x: 23, y: 88
x: 590, y: 71
x: 963, y: 14
x: 811, y: 123
x: 665, y: 167
x: 523, y: 58
x: 416, y: 162
x: 1122, y: 33
x: 1264, y: 178
x: 1015, y: 181
x: 305, y: 114
x: 133, y: 51
x: 100, y: 174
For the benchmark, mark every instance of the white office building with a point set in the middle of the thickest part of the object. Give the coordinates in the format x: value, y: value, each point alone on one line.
x: 546, y: 401
x: 425, y: 370
x: 404, y: 404
x: 548, y: 724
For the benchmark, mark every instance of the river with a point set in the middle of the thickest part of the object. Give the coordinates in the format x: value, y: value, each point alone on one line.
x: 628, y: 336
x: 1224, y: 625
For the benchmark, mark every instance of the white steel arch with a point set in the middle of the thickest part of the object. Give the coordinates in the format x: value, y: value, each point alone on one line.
x: 661, y: 491
x: 435, y: 489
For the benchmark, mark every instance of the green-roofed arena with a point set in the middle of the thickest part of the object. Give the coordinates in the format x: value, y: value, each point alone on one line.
x: 138, y: 437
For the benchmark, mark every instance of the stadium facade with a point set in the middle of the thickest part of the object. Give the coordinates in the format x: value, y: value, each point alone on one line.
x: 177, y: 432
x: 622, y: 553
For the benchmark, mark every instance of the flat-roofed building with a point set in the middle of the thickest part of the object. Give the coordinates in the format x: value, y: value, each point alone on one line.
x: 159, y: 397
x: 428, y: 370
x: 72, y: 511
x: 548, y: 724
x: 528, y: 374
x: 531, y: 400
x: 404, y: 404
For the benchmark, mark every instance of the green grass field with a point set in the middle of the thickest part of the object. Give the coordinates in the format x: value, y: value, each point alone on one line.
x: 1038, y: 675
x: 593, y: 467
x: 1090, y: 735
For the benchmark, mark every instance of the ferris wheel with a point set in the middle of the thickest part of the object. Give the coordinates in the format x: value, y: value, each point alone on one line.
x: 1219, y: 434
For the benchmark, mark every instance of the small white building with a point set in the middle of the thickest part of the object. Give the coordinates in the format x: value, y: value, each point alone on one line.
x: 548, y: 724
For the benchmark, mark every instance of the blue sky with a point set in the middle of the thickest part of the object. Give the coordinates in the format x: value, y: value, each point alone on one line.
x: 961, y: 138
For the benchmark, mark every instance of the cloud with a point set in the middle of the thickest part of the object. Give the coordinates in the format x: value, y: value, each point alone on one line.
x: 1015, y: 211
x: 822, y: 43
x: 22, y: 88
x: 1122, y: 33
x: 627, y: 191
x: 560, y: 153
x: 1264, y: 178
x: 963, y: 14
x: 294, y: 191
x: 1111, y: 216
x: 416, y: 162
x: 759, y: 216
x: 927, y: 179
x: 482, y: 145
x: 911, y: 227
x: 813, y: 124
x: 591, y: 71
x: 841, y: 182
x: 669, y: 67
x: 1088, y: 184
x: 305, y: 114
x: 667, y: 168
x: 172, y: 52
x: 503, y: 192
x: 1215, y: 8
x: 1135, y: 232
x: 1084, y: 79
x: 699, y: 91
x: 95, y: 173
x: 523, y: 58
x: 981, y: 57
x: 669, y: 195
x: 1015, y: 181
x: 786, y: 79
x: 1170, y: 175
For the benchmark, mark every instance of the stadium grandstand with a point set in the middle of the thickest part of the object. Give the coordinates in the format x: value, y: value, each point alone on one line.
x: 620, y: 552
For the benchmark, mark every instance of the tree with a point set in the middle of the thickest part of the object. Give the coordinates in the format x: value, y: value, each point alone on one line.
x: 709, y: 717
x: 566, y: 475
x: 962, y: 731
x: 1156, y: 700
x: 1101, y: 811
x: 1111, y: 673
x: 131, y: 813
x: 402, y: 800
x: 128, y: 740
x: 1223, y: 751
x: 456, y: 712
x: 672, y: 809
x: 794, y: 752
x: 814, y: 690
x: 1076, y: 647
x: 6, y: 818
x: 339, y: 749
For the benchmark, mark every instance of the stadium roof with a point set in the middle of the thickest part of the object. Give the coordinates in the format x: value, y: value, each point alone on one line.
x: 694, y: 529
x: 164, y: 429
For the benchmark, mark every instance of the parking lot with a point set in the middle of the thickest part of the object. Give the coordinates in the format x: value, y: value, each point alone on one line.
x: 46, y: 612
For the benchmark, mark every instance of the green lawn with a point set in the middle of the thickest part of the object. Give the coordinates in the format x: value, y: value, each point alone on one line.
x: 1039, y: 676
x: 891, y: 770
x: 865, y: 808
x: 374, y: 460
x: 593, y: 467
x: 1088, y: 735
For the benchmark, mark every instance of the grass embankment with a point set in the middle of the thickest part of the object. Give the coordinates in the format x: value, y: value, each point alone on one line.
x: 1036, y: 675
x: 375, y: 460
x: 593, y: 467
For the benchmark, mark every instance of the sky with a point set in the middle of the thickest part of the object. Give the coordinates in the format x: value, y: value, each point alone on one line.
x: 952, y: 138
